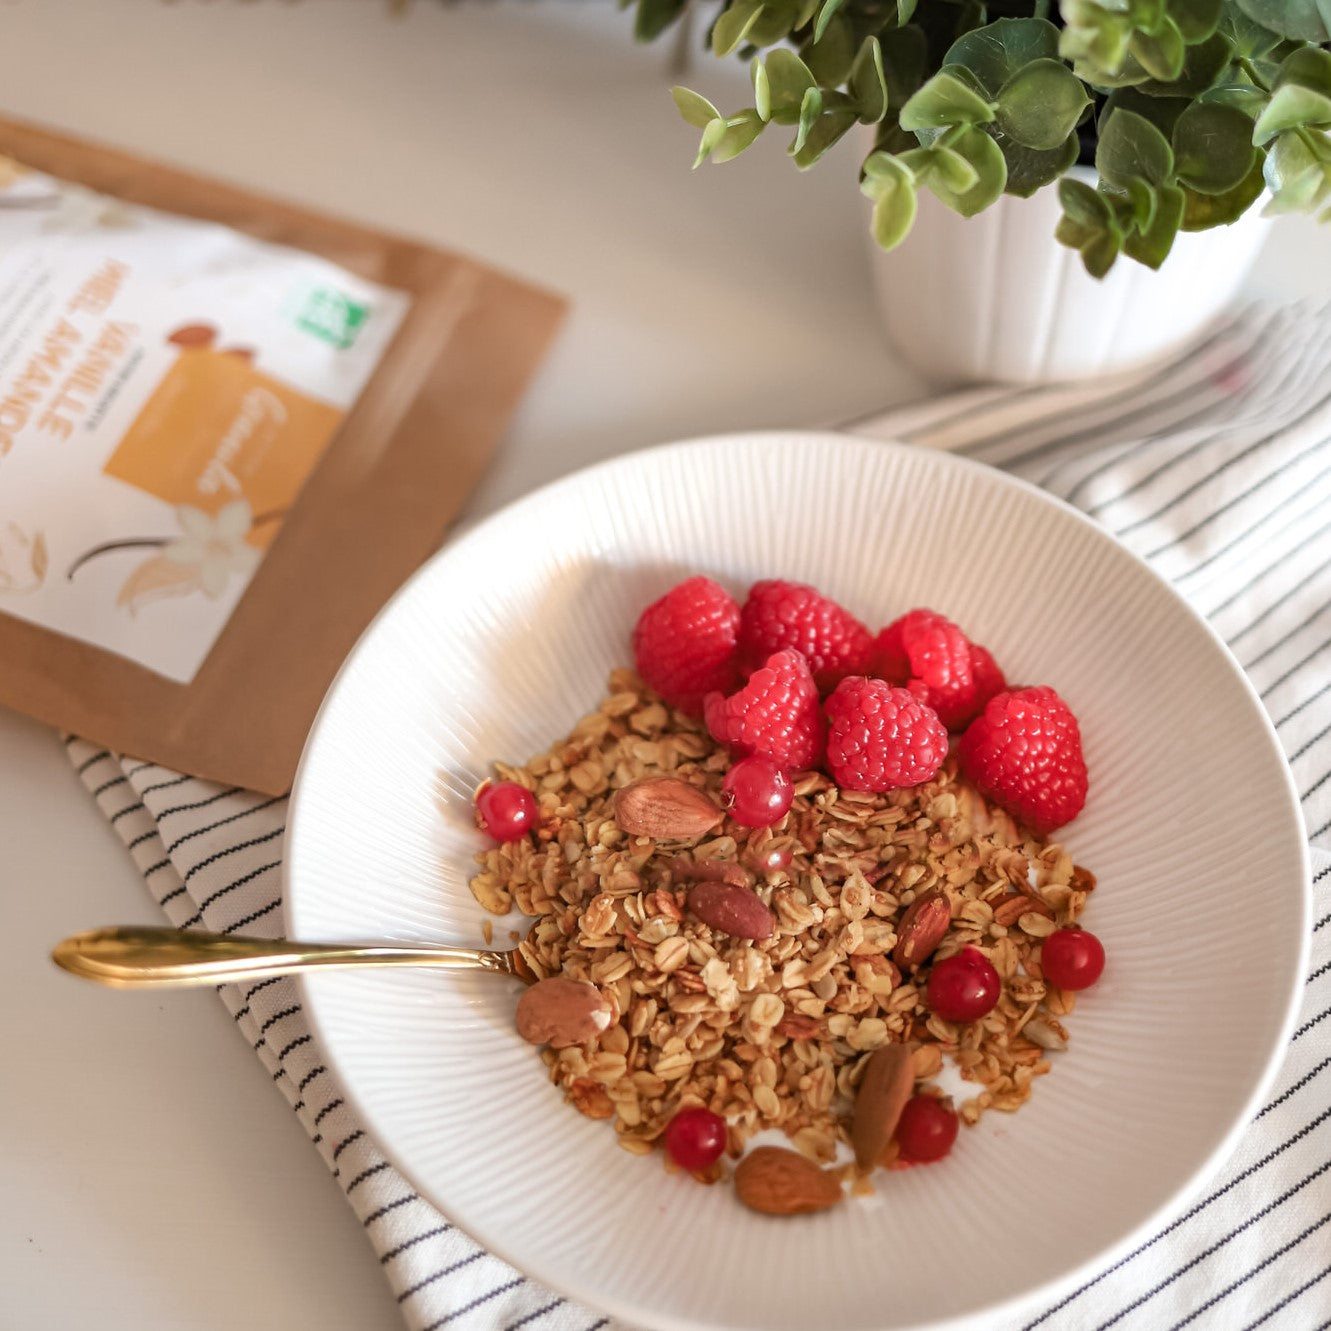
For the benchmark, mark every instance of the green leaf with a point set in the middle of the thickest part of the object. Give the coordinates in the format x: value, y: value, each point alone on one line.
x: 891, y: 184
x: 825, y: 131
x: 1098, y: 256
x: 734, y: 25
x: 741, y: 130
x: 986, y: 159
x: 811, y: 107
x: 653, y: 17
x: 1298, y: 172
x: 1203, y: 64
x: 1196, y: 19
x: 762, y: 89
x: 831, y: 56
x: 1291, y: 107
x: 1249, y: 37
x: 1213, y: 150
x: 1152, y: 245
x: 1143, y: 200
x: 905, y: 11
x: 788, y: 79
x: 1094, y: 36
x: 829, y: 8
x: 1162, y: 112
x: 1309, y: 67
x: 868, y: 82
x: 1082, y: 204
x: 1301, y: 20
x: 1131, y: 146
x: 950, y: 168
x: 695, y: 108
x: 1029, y: 169
x: 1040, y: 105
x: 905, y: 59
x: 1160, y: 53
x: 775, y: 21
x: 711, y: 136
x: 945, y: 100
x: 1203, y: 211
x: 998, y: 51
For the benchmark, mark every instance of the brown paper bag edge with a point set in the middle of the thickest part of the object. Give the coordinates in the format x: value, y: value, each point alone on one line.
x: 376, y: 505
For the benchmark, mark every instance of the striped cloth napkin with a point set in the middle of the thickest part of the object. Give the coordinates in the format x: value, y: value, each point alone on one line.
x: 1216, y: 468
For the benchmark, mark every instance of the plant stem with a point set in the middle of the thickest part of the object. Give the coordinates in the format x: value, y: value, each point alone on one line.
x: 1250, y: 70
x: 143, y: 544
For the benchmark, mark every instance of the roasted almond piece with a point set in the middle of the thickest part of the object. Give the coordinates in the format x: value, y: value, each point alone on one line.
x: 731, y: 910
x: 1046, y: 1034
x: 665, y: 809
x: 885, y: 1086
x: 775, y: 1181
x: 560, y: 1012
x: 922, y: 927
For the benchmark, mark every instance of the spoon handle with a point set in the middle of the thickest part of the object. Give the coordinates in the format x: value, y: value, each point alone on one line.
x: 141, y: 958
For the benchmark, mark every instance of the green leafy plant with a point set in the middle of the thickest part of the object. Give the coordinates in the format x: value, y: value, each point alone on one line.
x: 1188, y: 110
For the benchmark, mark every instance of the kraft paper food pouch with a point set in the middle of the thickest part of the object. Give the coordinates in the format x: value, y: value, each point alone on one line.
x: 166, y: 387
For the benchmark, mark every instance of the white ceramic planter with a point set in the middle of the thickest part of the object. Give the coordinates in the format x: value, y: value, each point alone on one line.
x: 996, y: 297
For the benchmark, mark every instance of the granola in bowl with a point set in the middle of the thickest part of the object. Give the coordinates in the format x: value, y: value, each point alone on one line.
x: 800, y: 976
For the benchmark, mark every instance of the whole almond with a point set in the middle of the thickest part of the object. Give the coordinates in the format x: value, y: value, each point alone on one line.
x: 922, y: 927
x: 665, y: 809
x: 885, y: 1086
x: 560, y: 1011
x: 775, y: 1181
x: 731, y: 910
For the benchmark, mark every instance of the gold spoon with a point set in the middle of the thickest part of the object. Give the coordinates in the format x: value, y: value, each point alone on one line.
x: 156, y: 958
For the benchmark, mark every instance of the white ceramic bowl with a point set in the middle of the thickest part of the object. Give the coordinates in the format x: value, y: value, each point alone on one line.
x: 503, y: 640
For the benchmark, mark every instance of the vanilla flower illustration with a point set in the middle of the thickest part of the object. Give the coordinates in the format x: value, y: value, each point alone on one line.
x: 211, y: 549
x: 213, y: 545
x: 22, y: 558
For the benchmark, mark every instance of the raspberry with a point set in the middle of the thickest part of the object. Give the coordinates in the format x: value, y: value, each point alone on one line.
x: 775, y: 714
x: 781, y: 614
x: 988, y: 681
x: 929, y: 647
x: 1024, y: 752
x: 684, y: 643
x: 881, y: 737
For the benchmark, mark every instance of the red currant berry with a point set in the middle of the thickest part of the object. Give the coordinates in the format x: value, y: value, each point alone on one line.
x: 506, y: 810
x: 926, y: 1129
x: 757, y: 792
x: 1072, y: 958
x: 695, y: 1138
x: 964, y: 987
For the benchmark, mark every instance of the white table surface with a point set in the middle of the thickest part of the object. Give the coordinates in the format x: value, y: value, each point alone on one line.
x: 151, y: 1176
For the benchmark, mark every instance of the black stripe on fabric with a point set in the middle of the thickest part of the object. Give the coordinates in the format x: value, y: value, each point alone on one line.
x: 137, y: 768
x: 121, y: 780
x: 165, y: 785
x: 1318, y: 973
x: 1308, y: 1025
x: 347, y: 1141
x: 1296, y: 1087
x: 232, y: 850
x: 1267, y: 569
x: 142, y: 837
x: 389, y: 1206
x: 1326, y: 826
x: 1215, y: 1247
x: 222, y: 822
x: 1307, y: 622
x: 293, y: 1044
x: 1182, y: 1220
x: 599, y: 1323
x: 241, y: 1012
x: 1314, y: 788
x: 440, y: 1274
x: 366, y: 1174
x: 1183, y: 537
x: 280, y: 1016
x: 198, y: 804
x: 216, y: 896
x: 171, y: 896
x: 129, y: 808
x: 310, y: 1076
x: 1243, y: 1279
x: 1290, y: 1297
x: 1289, y: 716
x: 328, y: 1109
x: 1325, y: 920
x: 153, y: 868
x: 1294, y: 669
x: 252, y: 916
x: 263, y: 984
x: 1275, y: 389
x: 531, y: 1317
x: 1006, y: 395
x: 386, y: 1257
x: 1307, y: 744
x: 475, y: 1303
x: 92, y: 762
x: 1276, y: 604
x: 70, y: 740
